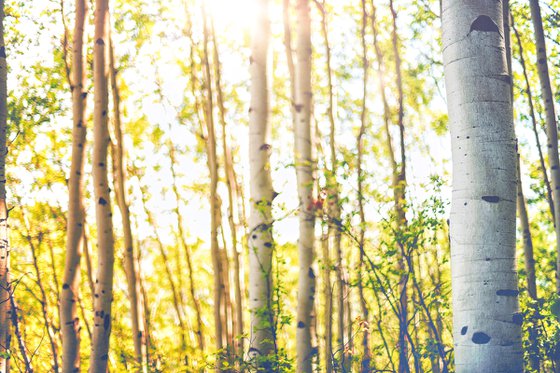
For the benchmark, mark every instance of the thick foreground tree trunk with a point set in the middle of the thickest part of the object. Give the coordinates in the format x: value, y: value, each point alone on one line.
x: 486, y: 318
x: 304, y: 171
x: 103, y: 296
x: 263, y: 338
x: 69, y: 320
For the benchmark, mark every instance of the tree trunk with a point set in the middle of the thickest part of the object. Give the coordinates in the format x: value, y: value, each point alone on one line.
x: 263, y: 335
x: 366, y: 358
x: 551, y: 125
x: 304, y: 171
x: 69, y: 319
x: 486, y: 319
x: 103, y: 296
x: 233, y: 198
x: 215, y: 213
x: 527, y: 239
x: 175, y: 293
x: 131, y: 270
x: 5, y: 288
x: 535, y: 127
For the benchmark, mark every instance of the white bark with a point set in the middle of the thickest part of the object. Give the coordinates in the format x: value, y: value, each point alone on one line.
x: 487, y: 323
x: 304, y: 171
x: 260, y: 232
x: 69, y: 320
x: 103, y: 296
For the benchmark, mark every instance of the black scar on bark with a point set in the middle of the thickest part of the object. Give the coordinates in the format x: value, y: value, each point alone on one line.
x: 102, y: 201
x: 480, y: 338
x: 265, y: 147
x: 2, y: 52
x: 464, y: 330
x: 65, y: 286
x: 311, y: 273
x: 507, y: 292
x: 106, y: 321
x: 491, y: 199
x: 300, y: 325
x: 99, y: 42
x: 484, y: 23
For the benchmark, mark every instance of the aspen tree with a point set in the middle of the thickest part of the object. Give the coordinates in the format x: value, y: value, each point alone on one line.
x: 551, y: 124
x: 263, y: 336
x: 305, y: 175
x: 233, y: 198
x: 5, y: 288
x: 366, y: 359
x: 333, y: 207
x: 130, y: 267
x: 534, y: 124
x: 215, y: 213
x: 486, y: 318
x: 69, y: 320
x: 103, y: 296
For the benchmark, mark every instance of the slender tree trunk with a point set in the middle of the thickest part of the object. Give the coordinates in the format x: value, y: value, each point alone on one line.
x: 5, y: 287
x: 333, y: 194
x: 399, y: 190
x: 233, y: 216
x: 17, y: 332
x: 527, y: 239
x: 328, y: 308
x: 175, y: 293
x: 535, y: 127
x: 214, y: 203
x: 304, y: 171
x: 366, y: 358
x: 263, y: 335
x: 486, y: 319
x: 551, y: 125
x: 69, y: 319
x: 43, y: 294
x: 103, y: 296
x: 131, y: 270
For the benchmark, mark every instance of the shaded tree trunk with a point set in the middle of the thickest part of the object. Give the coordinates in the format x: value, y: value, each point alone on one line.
x: 486, y: 320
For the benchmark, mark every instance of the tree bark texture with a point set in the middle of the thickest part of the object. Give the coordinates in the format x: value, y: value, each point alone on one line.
x: 69, y: 319
x: 304, y: 171
x: 263, y: 338
x: 103, y: 296
x: 486, y: 318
